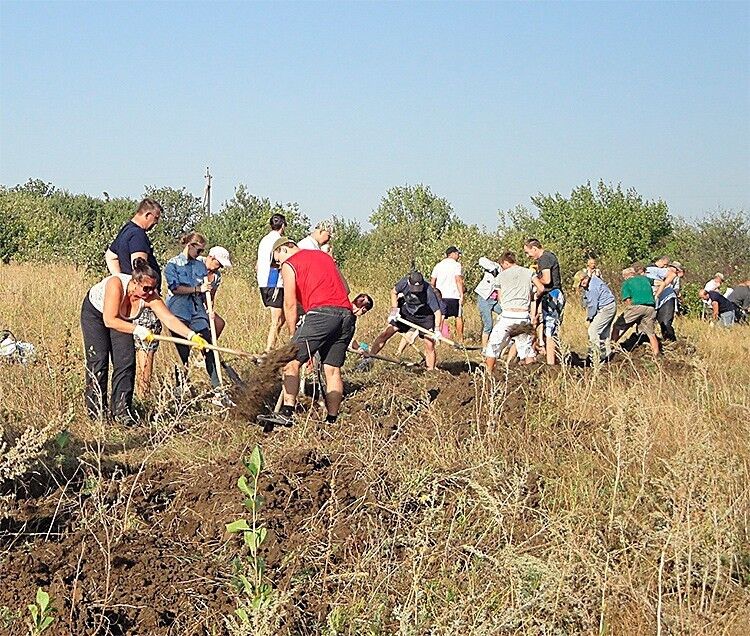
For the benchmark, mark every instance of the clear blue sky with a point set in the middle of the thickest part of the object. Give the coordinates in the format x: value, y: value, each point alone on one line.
x: 330, y: 104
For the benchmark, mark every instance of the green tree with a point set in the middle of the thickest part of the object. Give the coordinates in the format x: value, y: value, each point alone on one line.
x: 613, y: 222
x: 409, y: 226
x: 243, y: 221
x: 718, y: 243
x: 183, y: 211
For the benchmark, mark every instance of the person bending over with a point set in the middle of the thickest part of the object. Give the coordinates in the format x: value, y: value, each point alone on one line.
x: 108, y: 321
x: 413, y: 299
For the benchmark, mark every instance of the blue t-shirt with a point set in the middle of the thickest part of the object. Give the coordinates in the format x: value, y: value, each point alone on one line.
x: 131, y: 239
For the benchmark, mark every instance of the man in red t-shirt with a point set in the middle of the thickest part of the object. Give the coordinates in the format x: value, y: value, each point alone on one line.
x: 312, y: 279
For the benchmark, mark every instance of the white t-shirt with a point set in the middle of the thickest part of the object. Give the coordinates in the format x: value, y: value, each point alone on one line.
x: 445, y: 273
x: 309, y: 243
x: 514, y: 286
x: 267, y: 276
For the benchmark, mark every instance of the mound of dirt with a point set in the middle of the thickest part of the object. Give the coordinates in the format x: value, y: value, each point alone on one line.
x: 146, y: 551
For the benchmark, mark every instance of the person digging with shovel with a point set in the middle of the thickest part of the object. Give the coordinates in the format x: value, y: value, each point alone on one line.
x: 413, y: 299
x: 312, y: 279
x: 108, y: 321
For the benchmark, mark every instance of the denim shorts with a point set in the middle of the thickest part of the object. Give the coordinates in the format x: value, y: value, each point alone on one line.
x: 487, y: 306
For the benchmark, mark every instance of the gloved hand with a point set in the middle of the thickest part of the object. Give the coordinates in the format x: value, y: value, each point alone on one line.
x: 143, y: 333
x: 205, y: 287
x: 394, y: 314
x: 436, y: 335
x: 200, y: 341
x: 363, y: 346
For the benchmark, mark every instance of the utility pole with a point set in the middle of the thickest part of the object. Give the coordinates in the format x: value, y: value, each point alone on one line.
x: 207, y: 192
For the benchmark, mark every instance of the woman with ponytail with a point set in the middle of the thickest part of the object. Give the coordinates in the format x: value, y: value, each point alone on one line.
x: 187, y: 280
x: 108, y: 317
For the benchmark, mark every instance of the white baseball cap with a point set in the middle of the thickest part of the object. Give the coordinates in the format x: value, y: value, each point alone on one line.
x: 221, y: 254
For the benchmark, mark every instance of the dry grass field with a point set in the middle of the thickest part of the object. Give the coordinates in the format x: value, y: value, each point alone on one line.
x: 539, y: 501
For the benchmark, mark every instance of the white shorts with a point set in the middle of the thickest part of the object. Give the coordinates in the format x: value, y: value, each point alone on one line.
x: 499, y: 339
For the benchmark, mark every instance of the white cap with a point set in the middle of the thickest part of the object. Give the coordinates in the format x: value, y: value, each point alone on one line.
x: 719, y: 275
x: 221, y: 254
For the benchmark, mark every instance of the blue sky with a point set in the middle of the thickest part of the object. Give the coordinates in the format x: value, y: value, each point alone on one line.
x: 330, y: 104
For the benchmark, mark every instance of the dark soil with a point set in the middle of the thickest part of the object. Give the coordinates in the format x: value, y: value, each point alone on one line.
x: 134, y: 551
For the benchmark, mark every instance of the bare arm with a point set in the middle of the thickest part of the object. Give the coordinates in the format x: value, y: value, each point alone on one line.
x: 394, y: 298
x: 433, y: 280
x: 171, y: 322
x: 715, y: 307
x: 661, y: 285
x: 113, y: 262
x: 290, y: 297
x: 546, y: 276
x: 461, y: 289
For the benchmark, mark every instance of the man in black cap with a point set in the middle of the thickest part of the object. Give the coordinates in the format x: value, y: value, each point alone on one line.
x: 413, y: 299
x: 448, y: 278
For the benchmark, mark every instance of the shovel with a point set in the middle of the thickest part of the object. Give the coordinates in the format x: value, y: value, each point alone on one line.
x: 431, y: 335
x: 375, y: 356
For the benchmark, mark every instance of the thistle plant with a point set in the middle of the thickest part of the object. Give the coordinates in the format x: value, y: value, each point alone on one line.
x: 249, y: 571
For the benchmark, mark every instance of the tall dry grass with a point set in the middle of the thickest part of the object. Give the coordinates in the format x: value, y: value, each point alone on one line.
x: 610, y: 501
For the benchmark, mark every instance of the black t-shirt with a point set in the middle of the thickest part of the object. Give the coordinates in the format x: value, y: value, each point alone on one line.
x: 724, y: 304
x: 130, y: 239
x: 549, y: 261
x: 741, y: 296
x: 424, y: 303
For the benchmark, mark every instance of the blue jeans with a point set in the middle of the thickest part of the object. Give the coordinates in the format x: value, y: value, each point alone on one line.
x: 486, y: 307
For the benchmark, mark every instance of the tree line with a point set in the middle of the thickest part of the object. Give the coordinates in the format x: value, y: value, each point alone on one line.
x: 411, y: 227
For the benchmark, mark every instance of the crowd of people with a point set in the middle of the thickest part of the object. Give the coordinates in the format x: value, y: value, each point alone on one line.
x: 521, y: 310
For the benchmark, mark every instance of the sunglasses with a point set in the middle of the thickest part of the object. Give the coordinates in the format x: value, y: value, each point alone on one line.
x: 148, y: 289
x: 198, y: 248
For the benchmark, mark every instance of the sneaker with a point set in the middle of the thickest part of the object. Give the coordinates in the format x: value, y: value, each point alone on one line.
x: 223, y: 401
x: 275, y: 419
x: 126, y: 419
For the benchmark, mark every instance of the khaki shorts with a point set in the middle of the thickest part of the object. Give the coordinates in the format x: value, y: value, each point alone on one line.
x: 642, y: 315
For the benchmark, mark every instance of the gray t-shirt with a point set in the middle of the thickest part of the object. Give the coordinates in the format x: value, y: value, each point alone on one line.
x: 514, y: 284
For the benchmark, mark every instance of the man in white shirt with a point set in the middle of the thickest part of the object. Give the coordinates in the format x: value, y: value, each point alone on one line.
x: 712, y: 285
x: 515, y: 285
x: 319, y: 239
x: 448, y: 278
x: 269, y: 281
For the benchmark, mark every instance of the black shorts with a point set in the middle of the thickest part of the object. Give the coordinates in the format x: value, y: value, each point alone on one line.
x: 327, y: 331
x: 272, y: 297
x: 426, y: 322
x: 452, y: 308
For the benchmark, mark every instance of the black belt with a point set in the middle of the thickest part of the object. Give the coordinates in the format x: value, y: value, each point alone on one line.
x: 334, y: 311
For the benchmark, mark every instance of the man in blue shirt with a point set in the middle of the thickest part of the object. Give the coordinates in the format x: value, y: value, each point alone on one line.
x: 601, y: 307
x: 130, y: 243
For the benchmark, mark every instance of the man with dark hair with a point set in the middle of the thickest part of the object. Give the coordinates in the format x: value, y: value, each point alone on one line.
x: 552, y: 299
x: 269, y: 280
x: 312, y: 281
x: 413, y: 299
x: 448, y: 278
x: 515, y: 284
x: 131, y: 243
x: 722, y: 309
x: 639, y: 299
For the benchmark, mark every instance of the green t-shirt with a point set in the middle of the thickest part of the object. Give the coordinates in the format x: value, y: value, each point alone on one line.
x: 638, y: 289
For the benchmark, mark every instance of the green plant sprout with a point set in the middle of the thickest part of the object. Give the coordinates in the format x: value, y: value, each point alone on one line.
x: 249, y: 572
x: 41, y: 613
